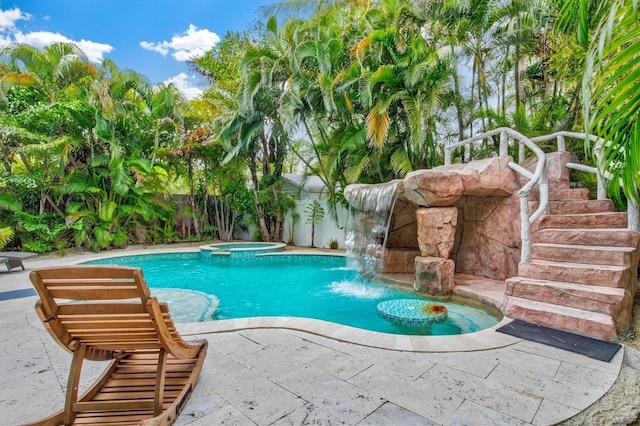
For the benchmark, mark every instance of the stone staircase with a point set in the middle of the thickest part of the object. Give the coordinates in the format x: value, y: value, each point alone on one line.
x: 582, y: 276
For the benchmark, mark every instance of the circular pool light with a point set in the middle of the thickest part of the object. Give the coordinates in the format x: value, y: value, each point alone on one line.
x: 412, y: 312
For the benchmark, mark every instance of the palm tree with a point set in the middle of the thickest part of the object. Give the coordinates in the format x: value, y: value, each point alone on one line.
x: 163, y: 106
x: 611, y: 87
x: 254, y: 130
x: 49, y: 71
x: 42, y: 92
x: 444, y: 28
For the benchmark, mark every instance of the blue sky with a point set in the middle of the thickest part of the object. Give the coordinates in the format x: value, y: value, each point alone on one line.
x: 152, y: 37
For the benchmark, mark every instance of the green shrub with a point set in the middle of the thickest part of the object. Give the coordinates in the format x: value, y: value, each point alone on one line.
x: 41, y: 233
x: 37, y: 246
x: 5, y: 236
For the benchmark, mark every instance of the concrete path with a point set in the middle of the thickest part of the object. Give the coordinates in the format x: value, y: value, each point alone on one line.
x: 292, y: 374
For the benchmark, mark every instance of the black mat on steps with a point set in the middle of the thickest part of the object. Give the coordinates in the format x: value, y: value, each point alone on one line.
x: 593, y: 348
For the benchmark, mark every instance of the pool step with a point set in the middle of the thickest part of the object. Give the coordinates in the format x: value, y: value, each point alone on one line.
x: 219, y: 253
x: 602, y: 299
x: 586, y: 254
x: 576, y: 206
x: 581, y: 220
x: 582, y: 274
x: 612, y: 237
x: 592, y: 324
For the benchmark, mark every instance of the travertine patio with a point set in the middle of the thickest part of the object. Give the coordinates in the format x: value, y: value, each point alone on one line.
x: 283, y: 375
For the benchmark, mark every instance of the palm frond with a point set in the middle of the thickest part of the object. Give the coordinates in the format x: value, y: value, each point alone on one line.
x: 400, y: 162
x: 377, y: 124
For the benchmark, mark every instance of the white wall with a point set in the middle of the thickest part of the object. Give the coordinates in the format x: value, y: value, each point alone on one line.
x: 325, y: 230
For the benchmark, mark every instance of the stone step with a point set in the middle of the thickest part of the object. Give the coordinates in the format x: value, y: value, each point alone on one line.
x: 592, y: 324
x: 580, y: 273
x: 614, y: 237
x: 554, y: 186
x: 569, y: 194
x: 605, y: 300
x: 586, y: 220
x: 579, y: 206
x: 588, y: 254
x: 557, y: 185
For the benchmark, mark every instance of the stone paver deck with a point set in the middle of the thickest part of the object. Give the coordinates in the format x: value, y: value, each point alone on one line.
x: 291, y: 371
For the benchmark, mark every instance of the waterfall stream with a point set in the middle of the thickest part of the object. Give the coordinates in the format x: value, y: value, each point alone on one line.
x: 368, y: 226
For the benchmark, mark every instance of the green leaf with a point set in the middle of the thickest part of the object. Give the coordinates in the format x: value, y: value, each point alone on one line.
x: 103, y: 236
x: 107, y: 210
x: 10, y: 202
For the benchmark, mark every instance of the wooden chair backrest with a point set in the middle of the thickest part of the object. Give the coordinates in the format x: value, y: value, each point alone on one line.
x: 105, y: 308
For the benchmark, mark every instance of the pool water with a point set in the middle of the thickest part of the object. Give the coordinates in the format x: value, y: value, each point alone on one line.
x: 308, y: 286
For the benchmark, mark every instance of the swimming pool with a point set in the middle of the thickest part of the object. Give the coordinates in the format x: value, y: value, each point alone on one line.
x: 307, y: 286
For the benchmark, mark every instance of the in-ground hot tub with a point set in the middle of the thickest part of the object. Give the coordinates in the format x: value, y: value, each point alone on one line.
x: 241, y: 250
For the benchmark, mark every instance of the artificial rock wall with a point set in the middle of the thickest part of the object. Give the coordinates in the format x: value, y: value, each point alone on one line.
x: 463, y: 218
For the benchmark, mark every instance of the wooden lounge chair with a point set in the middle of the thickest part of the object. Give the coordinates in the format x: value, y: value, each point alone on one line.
x: 13, y: 259
x: 107, y: 313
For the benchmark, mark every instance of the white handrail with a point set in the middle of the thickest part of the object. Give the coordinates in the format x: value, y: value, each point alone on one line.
x: 560, y: 139
x: 539, y: 177
x: 633, y: 210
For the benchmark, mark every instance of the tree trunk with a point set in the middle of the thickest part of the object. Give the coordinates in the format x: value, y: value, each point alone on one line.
x: 503, y: 94
x: 53, y: 205
x: 192, y: 203
x: 516, y: 74
x: 205, y: 206
x: 458, y: 100
x: 6, y: 153
x: 229, y: 224
x: 216, y: 214
x: 473, y: 85
x: 313, y: 233
x: 262, y: 224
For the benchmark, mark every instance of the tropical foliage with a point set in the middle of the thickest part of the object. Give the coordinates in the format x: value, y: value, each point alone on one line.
x: 611, y: 86
x: 315, y: 214
x: 85, y: 151
x: 347, y: 90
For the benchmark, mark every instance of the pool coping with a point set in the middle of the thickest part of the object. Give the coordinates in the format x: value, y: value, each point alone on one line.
x: 481, y: 340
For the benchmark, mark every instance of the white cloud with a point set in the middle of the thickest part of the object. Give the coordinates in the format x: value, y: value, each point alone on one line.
x: 10, y: 34
x: 183, y: 83
x: 9, y: 17
x: 192, y: 43
x: 39, y: 39
x: 163, y: 50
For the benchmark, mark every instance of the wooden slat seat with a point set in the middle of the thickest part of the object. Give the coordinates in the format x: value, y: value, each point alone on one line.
x: 107, y: 313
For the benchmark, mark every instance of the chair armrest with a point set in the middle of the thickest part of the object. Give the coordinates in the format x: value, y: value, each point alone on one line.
x: 170, y: 339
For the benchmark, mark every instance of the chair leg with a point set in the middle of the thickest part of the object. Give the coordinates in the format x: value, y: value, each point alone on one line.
x: 15, y: 263
x: 158, y: 399
x: 73, y: 384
